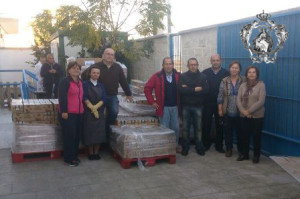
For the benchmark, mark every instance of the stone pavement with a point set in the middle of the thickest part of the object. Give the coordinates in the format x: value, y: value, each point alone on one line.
x: 194, y: 176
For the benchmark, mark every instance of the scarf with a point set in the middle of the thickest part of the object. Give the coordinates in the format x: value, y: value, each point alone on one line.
x: 249, y: 85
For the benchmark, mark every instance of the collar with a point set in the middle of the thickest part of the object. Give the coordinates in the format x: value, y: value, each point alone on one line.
x: 94, y: 82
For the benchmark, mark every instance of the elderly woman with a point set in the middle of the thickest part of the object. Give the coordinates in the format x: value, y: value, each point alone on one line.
x: 250, y: 101
x: 227, y: 107
x: 71, y: 112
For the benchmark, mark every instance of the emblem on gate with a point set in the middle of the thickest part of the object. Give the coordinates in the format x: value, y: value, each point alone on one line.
x: 263, y: 47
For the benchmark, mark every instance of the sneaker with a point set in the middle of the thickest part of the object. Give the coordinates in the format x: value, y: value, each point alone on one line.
x: 201, y: 152
x: 184, y: 152
x: 72, y: 164
x: 97, y: 157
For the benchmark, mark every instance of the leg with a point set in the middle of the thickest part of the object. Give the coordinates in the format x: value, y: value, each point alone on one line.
x: 219, y: 130
x: 48, y: 90
x: 257, y: 128
x: 238, y: 131
x: 228, y: 132
x: 165, y: 119
x: 79, y: 122
x: 112, y: 110
x: 186, y: 130
x: 207, y: 118
x: 197, y: 123
x: 246, y: 125
x: 174, y: 122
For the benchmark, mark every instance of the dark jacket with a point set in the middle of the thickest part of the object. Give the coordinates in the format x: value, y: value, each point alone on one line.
x: 188, y: 95
x: 157, y: 83
x: 50, y: 78
x: 112, y: 77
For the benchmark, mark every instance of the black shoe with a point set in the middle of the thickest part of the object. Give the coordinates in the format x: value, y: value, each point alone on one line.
x: 91, y: 157
x: 255, y: 160
x: 72, y: 164
x: 97, y: 157
x: 221, y: 150
x: 242, y: 157
x: 201, y: 152
x: 184, y: 152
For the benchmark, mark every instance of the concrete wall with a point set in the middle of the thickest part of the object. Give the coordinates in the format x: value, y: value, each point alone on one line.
x: 145, y: 67
x: 200, y: 43
x: 14, y: 58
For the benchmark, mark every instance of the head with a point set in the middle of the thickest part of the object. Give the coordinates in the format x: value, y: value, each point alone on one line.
x: 193, y: 65
x: 252, y: 73
x: 215, y: 61
x: 43, y: 59
x: 108, y: 56
x: 94, y: 73
x: 73, y: 69
x: 235, y: 68
x: 50, y: 59
x: 168, y: 65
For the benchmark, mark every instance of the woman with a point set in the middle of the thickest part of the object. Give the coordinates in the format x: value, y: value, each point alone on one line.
x: 94, y: 124
x: 71, y: 112
x: 250, y: 101
x: 227, y: 107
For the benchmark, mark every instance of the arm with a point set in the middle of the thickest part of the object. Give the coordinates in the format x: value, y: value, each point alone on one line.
x: 205, y: 87
x: 220, y: 99
x: 63, y: 95
x: 44, y: 70
x: 261, y: 99
x: 148, y: 88
x: 104, y: 99
x: 183, y: 88
x: 123, y: 82
x: 239, y: 104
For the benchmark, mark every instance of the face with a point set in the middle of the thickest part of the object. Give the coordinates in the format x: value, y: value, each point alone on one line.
x: 234, y: 70
x: 95, y: 74
x: 168, y: 66
x: 74, y: 71
x: 108, y: 55
x: 43, y: 60
x: 215, y: 61
x: 251, y: 74
x: 193, y: 66
x: 50, y: 59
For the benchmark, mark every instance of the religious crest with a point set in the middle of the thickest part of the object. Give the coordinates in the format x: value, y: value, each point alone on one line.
x: 263, y: 47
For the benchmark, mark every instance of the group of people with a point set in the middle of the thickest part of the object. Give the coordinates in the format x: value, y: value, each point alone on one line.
x: 235, y: 102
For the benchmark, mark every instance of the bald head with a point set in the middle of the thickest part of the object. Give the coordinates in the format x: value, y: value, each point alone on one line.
x: 215, y: 61
x: 108, y: 56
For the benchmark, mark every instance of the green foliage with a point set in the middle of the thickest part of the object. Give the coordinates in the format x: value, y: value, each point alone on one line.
x: 100, y: 26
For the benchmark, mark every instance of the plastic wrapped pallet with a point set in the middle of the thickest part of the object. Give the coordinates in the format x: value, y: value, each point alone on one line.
x: 144, y: 120
x: 136, y: 109
x: 36, y: 138
x: 132, y: 141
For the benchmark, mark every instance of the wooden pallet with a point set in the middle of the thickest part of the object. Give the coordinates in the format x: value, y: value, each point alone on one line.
x: 149, y: 161
x: 35, y: 156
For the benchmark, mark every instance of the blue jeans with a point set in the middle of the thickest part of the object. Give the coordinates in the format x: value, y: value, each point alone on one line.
x: 170, y: 120
x: 112, y: 110
x: 192, y: 115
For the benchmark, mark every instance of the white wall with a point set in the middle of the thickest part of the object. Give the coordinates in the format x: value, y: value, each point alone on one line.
x: 14, y: 58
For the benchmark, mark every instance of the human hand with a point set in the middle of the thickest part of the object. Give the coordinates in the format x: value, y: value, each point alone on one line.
x: 246, y: 113
x: 198, y: 88
x: 64, y: 115
x: 155, y: 105
x: 184, y: 86
x: 220, y: 113
x: 129, y: 98
x: 96, y: 114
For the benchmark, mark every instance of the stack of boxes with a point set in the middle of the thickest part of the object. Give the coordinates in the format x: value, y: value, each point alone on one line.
x: 35, y: 126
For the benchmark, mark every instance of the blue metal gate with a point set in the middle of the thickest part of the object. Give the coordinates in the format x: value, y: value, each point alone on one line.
x: 281, y: 133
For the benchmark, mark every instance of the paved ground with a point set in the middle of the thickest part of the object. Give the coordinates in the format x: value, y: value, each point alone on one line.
x: 211, y: 176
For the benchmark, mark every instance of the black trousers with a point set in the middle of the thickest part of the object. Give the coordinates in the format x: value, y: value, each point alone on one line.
x: 231, y: 125
x: 71, y: 130
x: 48, y: 90
x: 251, y: 126
x: 210, y: 110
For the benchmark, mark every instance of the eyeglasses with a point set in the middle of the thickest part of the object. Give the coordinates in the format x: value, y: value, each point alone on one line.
x: 193, y: 64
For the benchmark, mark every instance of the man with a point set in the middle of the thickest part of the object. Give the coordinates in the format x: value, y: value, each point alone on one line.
x: 192, y: 87
x: 38, y: 66
x: 111, y: 74
x: 215, y: 74
x: 51, y: 73
x: 164, y: 82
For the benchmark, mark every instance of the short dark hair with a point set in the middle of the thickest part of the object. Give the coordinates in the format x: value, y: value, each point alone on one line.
x: 236, y: 62
x: 192, y: 59
x: 90, y: 70
x: 167, y: 58
x: 256, y: 70
x: 72, y: 64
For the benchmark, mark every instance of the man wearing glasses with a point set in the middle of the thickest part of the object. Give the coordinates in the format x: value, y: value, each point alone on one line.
x: 192, y: 86
x: 166, y: 101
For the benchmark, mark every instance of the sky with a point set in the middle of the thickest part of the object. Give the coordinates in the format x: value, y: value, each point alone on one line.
x: 186, y: 14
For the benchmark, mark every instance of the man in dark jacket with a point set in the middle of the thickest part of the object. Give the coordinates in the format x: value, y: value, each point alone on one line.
x: 111, y: 75
x: 214, y: 74
x: 164, y: 83
x: 51, y: 73
x: 192, y: 86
